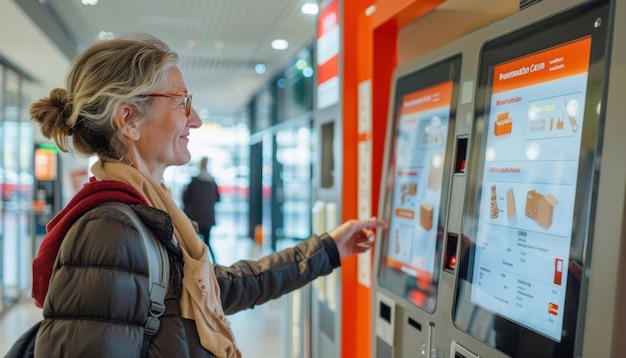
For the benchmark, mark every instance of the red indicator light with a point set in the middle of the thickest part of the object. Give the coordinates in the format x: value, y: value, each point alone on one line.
x: 452, y: 262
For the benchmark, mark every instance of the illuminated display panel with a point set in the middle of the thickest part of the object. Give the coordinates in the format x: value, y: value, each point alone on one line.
x: 416, y: 195
x: 531, y: 160
x: 519, y: 286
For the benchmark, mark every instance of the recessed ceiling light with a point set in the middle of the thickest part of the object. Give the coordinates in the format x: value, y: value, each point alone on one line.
x: 310, y: 9
x: 89, y: 2
x: 280, y: 44
x: 105, y: 35
x: 260, y: 68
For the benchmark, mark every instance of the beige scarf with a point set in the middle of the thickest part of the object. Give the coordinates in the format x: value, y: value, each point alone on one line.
x: 200, y: 299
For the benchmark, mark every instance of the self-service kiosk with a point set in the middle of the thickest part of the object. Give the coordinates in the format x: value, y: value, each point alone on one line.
x: 416, y: 190
x: 495, y: 181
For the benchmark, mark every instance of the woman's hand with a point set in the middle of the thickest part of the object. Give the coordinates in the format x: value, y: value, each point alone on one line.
x: 355, y: 236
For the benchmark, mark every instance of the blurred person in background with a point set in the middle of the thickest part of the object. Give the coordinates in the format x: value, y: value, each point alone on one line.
x: 199, y: 198
x: 126, y: 102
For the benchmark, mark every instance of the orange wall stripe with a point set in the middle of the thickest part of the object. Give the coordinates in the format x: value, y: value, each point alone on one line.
x: 368, y: 43
x: 328, y: 69
x: 351, y: 297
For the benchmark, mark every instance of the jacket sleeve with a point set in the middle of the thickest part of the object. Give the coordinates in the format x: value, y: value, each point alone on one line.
x: 248, y: 283
x: 98, y: 299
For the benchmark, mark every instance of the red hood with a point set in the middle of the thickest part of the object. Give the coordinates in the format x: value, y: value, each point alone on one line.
x: 92, y: 194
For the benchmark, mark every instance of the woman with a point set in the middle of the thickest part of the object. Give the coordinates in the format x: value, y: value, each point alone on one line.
x: 126, y: 101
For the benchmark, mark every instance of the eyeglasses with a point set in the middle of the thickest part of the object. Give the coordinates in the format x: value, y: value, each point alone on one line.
x: 186, y: 102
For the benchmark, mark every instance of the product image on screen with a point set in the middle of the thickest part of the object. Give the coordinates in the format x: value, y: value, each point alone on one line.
x: 409, y: 265
x: 531, y: 160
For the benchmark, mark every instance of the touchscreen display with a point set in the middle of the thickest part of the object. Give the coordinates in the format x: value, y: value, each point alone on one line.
x: 410, y: 260
x: 531, y: 159
x: 421, y: 143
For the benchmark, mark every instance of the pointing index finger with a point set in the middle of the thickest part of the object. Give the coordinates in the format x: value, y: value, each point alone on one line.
x: 372, y: 222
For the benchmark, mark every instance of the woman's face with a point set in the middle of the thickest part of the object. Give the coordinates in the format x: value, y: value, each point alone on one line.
x: 164, y: 134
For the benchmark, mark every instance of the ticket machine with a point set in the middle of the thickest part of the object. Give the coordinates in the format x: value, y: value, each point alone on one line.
x: 504, y: 191
x: 416, y: 192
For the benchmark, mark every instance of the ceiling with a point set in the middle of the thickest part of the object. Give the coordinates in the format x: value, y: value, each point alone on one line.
x: 219, y: 41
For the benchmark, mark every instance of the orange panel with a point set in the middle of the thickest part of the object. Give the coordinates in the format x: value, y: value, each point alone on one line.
x: 401, y: 12
x: 355, y: 310
x: 369, y: 53
x: 364, y: 48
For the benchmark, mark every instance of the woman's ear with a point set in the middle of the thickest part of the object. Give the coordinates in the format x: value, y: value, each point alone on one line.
x: 125, y: 121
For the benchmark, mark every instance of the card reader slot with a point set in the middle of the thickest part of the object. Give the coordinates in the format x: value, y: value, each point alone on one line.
x: 415, y: 324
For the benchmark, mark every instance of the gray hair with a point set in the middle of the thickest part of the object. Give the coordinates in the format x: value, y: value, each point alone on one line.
x: 106, y: 75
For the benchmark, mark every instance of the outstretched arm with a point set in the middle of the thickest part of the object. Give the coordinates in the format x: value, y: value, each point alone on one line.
x: 248, y: 283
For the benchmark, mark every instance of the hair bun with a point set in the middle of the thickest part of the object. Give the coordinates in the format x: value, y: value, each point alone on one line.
x: 58, y: 98
x: 52, y: 114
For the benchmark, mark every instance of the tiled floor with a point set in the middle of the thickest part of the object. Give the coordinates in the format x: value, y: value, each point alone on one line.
x: 256, y: 330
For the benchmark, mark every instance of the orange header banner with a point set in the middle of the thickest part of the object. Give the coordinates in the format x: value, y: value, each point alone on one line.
x: 432, y: 97
x: 553, y: 64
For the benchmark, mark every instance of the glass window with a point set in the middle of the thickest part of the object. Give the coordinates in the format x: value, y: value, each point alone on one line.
x: 16, y: 187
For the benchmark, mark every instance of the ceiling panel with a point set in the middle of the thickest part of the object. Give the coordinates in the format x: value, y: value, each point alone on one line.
x: 219, y: 41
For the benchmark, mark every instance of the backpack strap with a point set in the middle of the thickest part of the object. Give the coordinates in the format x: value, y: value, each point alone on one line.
x: 159, y: 274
